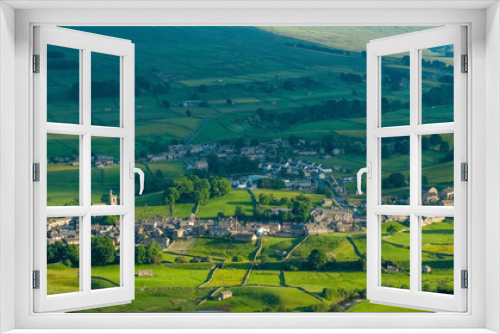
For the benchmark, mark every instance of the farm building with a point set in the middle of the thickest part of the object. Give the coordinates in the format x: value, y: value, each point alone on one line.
x: 145, y: 273
x: 224, y: 295
x: 248, y: 237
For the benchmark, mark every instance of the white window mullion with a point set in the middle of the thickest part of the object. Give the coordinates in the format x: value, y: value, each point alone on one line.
x: 85, y: 43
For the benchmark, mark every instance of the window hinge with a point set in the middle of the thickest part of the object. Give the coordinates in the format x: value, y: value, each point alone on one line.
x: 36, y: 63
x: 465, y: 63
x: 465, y: 279
x: 36, y: 172
x: 465, y: 171
x: 36, y: 279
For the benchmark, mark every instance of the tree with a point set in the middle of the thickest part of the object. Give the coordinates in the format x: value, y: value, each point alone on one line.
x: 181, y: 259
x: 159, y: 174
x: 239, y: 213
x: 140, y: 254
x: 154, y: 253
x: 444, y: 147
x: 391, y: 229
x: 102, y: 250
x: 301, y: 209
x: 395, y: 180
x: 254, y: 142
x: 317, y: 259
x: 293, y: 140
x: 171, y: 196
x: 264, y: 199
x: 435, y: 139
x: 425, y: 143
x: 188, y: 113
x: 237, y: 258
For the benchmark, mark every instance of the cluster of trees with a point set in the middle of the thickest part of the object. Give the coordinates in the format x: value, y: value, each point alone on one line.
x: 438, y: 96
x: 67, y: 254
x: 143, y: 85
x: 394, y: 180
x: 301, y: 83
x: 351, y: 77
x: 101, y: 247
x: 300, y: 207
x: 332, y: 109
x: 237, y: 165
x: 193, y: 189
x: 393, y: 105
x: 196, y: 259
x: 270, y: 183
x: 102, y: 251
x: 148, y: 254
x: 394, y: 145
x: 271, y: 200
x: 318, y: 261
x: 105, y: 220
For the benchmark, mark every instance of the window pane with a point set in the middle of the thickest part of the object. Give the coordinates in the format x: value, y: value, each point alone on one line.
x: 63, y: 170
x: 105, y: 252
x: 437, y: 254
x: 437, y: 84
x: 395, y: 170
x: 63, y: 258
x: 437, y: 170
x: 105, y: 171
x: 105, y: 89
x: 395, y: 77
x: 395, y: 239
x: 63, y: 85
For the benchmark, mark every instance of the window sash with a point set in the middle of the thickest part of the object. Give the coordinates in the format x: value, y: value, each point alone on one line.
x: 86, y: 43
x: 413, y: 43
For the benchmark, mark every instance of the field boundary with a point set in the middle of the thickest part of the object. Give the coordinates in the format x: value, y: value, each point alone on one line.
x: 353, y: 244
x: 209, y: 278
x: 296, y: 246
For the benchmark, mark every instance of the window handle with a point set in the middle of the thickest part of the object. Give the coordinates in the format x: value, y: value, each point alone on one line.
x: 368, y: 171
x: 139, y: 171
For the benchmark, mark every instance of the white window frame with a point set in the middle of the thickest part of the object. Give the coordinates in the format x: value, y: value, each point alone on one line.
x: 413, y: 43
x: 483, y: 295
x: 85, y: 44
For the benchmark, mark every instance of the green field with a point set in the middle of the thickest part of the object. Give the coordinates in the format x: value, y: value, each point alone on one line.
x: 366, y: 306
x: 278, y: 194
x: 272, y: 246
x: 181, y: 210
x: 264, y: 277
x: 227, y: 205
x: 326, y: 242
x: 317, y: 281
x: 222, y: 248
x: 228, y: 277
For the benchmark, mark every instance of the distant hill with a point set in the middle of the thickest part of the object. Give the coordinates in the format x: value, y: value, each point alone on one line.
x: 343, y: 38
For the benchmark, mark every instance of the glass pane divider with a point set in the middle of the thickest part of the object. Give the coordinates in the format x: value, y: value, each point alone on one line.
x: 423, y: 129
x: 444, y: 211
x: 96, y: 131
x: 85, y: 249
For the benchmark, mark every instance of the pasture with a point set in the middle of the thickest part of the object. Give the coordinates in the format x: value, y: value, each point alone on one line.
x: 227, y: 205
x: 264, y: 277
x: 227, y: 277
x: 221, y: 248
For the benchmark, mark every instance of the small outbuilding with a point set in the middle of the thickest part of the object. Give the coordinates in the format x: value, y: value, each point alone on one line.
x: 224, y: 295
x: 145, y: 273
